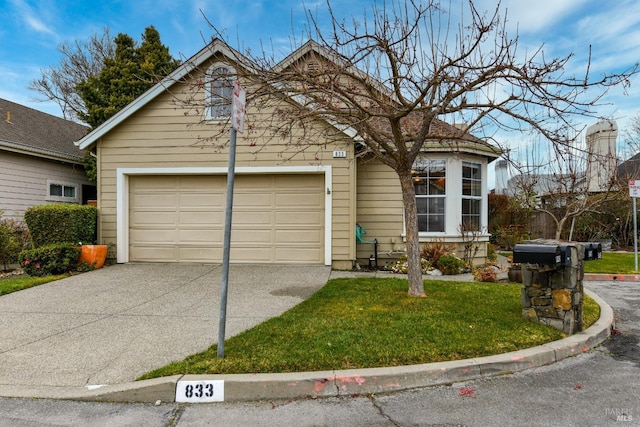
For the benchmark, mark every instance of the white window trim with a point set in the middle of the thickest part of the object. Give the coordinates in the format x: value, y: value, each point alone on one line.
x: 50, y: 198
x: 470, y: 197
x: 208, y: 92
x: 434, y: 234
x: 122, y: 196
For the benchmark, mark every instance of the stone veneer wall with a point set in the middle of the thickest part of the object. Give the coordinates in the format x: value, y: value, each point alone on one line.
x: 555, y: 297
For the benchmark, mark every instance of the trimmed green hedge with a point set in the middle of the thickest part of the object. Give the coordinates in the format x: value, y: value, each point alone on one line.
x: 61, y: 223
x: 58, y: 258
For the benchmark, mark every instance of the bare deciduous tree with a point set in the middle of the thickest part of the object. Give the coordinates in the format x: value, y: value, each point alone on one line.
x: 80, y: 61
x: 554, y: 179
x: 392, y: 79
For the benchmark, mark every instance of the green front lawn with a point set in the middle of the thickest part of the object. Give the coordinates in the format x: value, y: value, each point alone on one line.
x: 23, y: 282
x: 612, y: 263
x: 368, y: 322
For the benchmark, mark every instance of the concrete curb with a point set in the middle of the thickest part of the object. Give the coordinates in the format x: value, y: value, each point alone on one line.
x: 603, y: 277
x: 248, y: 387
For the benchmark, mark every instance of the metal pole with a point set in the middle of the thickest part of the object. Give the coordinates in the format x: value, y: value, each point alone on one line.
x: 227, y: 244
x: 635, y: 234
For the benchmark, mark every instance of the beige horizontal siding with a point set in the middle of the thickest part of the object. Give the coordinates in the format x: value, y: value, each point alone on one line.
x: 161, y: 135
x: 379, y: 210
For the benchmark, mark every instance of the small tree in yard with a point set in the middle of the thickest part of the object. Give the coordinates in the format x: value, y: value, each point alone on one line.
x: 391, y: 80
x: 14, y: 237
x: 562, y: 192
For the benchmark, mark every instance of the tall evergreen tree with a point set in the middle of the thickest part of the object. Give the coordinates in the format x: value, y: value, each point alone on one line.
x: 125, y: 76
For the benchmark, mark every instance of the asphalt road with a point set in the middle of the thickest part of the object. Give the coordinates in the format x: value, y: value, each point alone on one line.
x: 598, y: 388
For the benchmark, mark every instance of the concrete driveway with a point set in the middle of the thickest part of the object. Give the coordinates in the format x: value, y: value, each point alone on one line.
x: 111, y: 325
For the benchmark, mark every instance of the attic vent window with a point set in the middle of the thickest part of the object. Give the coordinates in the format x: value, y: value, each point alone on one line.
x: 219, y: 92
x: 313, y: 67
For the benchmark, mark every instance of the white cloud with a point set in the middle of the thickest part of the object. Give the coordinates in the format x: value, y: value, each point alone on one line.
x: 532, y: 16
x: 32, y: 18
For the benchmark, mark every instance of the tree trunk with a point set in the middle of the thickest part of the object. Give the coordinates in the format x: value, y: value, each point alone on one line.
x: 414, y: 272
x: 559, y: 227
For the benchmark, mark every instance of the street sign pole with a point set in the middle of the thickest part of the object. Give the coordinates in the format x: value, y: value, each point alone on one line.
x: 237, y: 125
x: 634, y: 192
x: 635, y: 233
x: 227, y: 244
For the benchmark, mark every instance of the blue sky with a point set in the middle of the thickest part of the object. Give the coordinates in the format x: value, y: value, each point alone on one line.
x: 30, y: 32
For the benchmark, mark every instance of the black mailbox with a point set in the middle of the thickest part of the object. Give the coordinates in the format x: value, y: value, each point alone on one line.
x: 547, y: 255
x: 565, y: 254
x: 592, y: 250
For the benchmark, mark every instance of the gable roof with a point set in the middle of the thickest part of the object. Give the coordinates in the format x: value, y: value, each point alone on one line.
x: 32, y: 132
x: 467, y: 141
x: 191, y: 64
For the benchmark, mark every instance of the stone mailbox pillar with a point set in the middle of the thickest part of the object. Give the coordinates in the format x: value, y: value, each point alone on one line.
x: 553, y: 294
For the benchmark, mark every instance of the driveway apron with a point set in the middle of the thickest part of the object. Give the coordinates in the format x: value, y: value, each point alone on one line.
x: 111, y: 325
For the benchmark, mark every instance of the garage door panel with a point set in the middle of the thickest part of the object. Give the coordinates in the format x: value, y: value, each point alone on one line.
x: 155, y: 201
x: 153, y: 235
x: 200, y: 236
x: 241, y: 199
x: 251, y: 254
x: 296, y: 255
x: 252, y: 218
x: 252, y: 236
x: 297, y: 236
x: 203, y: 218
x: 198, y: 254
x: 308, y: 201
x: 202, y: 200
x: 153, y: 253
x: 276, y: 219
x: 298, y: 218
x: 147, y: 218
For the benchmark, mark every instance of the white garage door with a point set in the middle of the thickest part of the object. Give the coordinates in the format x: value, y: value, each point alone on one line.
x: 276, y: 218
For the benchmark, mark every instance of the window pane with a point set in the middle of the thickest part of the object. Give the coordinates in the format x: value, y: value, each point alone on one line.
x: 422, y: 203
x: 55, y: 190
x: 436, y: 206
x: 437, y: 186
x: 436, y: 223
x: 420, y: 185
x: 70, y: 192
x: 422, y: 223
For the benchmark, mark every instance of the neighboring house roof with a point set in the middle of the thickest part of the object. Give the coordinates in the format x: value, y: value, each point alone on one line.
x: 27, y: 131
x: 466, y: 141
x: 630, y: 169
x: 547, y: 184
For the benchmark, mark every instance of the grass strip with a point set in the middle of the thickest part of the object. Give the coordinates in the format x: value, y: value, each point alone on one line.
x: 612, y: 263
x: 369, y: 322
x: 15, y: 284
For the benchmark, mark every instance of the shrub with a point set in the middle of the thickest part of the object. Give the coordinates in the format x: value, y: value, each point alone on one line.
x: 486, y: 274
x: 401, y: 266
x: 61, y: 223
x: 492, y: 255
x: 450, y: 264
x: 14, y: 238
x: 51, y: 259
x: 432, y: 251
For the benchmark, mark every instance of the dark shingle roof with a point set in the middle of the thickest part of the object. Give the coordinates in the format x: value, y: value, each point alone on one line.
x: 26, y: 130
